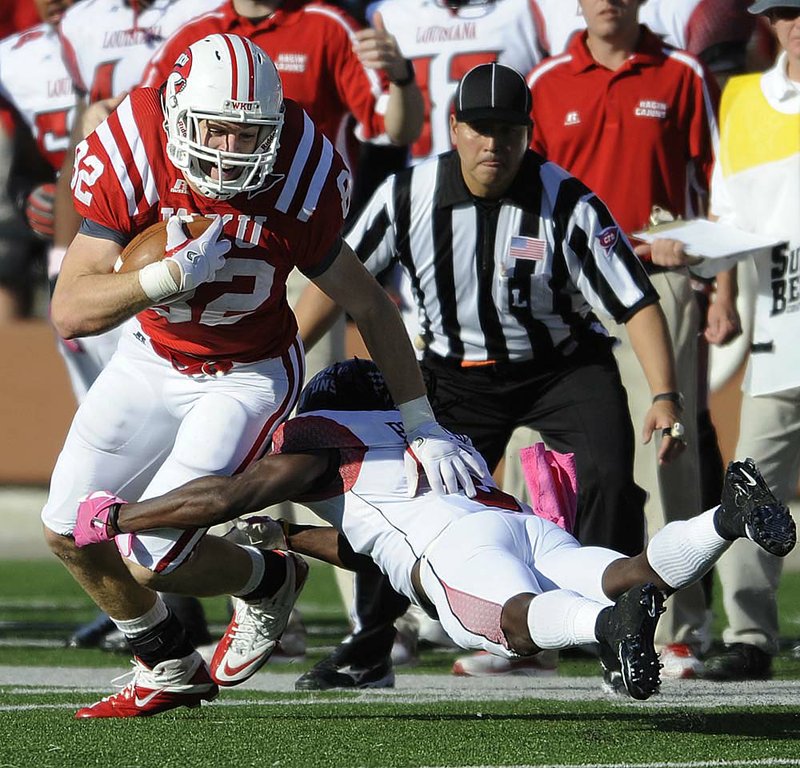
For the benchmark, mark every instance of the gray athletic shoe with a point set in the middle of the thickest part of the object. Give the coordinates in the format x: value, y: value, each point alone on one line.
x: 625, y: 632
x: 749, y: 509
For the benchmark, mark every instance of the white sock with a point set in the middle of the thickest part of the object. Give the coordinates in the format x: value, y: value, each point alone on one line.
x: 259, y: 566
x: 144, y: 623
x: 562, y: 618
x: 683, y: 550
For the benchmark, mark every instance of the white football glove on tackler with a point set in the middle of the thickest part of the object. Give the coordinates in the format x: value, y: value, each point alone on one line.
x: 447, y: 463
x: 198, y: 260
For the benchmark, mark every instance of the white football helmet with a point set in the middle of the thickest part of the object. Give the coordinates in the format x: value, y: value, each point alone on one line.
x: 225, y: 78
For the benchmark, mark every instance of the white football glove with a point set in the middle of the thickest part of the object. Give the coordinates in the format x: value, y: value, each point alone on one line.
x: 448, y: 464
x: 197, y: 259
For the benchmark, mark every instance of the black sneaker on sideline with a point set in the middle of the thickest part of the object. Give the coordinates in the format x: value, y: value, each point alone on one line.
x: 739, y: 661
x: 625, y: 631
x: 341, y: 670
x: 749, y: 509
x: 91, y: 634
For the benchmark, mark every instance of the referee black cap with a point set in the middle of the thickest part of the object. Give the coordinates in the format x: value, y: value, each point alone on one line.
x: 493, y: 92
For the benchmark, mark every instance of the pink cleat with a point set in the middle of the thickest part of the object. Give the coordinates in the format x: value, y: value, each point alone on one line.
x: 92, y: 525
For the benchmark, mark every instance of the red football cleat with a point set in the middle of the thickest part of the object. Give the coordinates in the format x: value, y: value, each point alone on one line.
x: 173, y: 683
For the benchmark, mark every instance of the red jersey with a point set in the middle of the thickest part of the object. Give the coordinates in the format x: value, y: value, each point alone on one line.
x: 124, y: 182
x: 312, y: 48
x: 640, y: 136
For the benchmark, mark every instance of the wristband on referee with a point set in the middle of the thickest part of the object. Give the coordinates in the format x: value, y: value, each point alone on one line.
x: 408, y: 78
x: 673, y: 397
x: 157, y: 282
x: 416, y: 413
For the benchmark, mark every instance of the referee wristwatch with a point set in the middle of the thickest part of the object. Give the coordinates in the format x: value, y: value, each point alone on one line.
x: 673, y: 397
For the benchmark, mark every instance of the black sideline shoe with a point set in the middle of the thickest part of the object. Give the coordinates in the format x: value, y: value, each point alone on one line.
x: 749, y: 509
x: 739, y: 661
x: 342, y: 670
x: 625, y: 631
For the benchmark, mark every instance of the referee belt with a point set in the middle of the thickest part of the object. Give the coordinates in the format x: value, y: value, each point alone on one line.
x: 506, y: 367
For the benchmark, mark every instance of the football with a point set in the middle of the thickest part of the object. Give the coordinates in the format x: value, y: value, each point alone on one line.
x: 151, y: 244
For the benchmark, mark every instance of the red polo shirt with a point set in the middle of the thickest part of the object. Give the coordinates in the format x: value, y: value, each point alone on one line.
x: 312, y: 47
x: 640, y: 136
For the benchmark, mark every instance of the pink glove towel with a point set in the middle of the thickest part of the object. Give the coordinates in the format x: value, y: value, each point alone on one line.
x: 552, y: 483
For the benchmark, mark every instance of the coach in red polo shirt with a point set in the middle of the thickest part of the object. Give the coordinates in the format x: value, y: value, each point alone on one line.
x: 635, y: 120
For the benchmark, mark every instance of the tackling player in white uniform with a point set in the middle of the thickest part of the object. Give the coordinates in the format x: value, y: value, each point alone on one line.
x: 498, y: 577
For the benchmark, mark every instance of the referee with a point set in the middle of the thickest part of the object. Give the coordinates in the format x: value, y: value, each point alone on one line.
x: 508, y: 257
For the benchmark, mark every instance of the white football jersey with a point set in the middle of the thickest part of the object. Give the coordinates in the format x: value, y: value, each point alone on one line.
x: 368, y: 502
x: 445, y: 44
x: 45, y: 102
x: 107, y: 43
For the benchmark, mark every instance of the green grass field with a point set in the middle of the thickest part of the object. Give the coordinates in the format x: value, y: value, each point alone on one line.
x: 430, y: 719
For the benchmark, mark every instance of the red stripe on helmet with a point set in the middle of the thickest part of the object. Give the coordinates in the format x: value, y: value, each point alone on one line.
x: 234, y: 69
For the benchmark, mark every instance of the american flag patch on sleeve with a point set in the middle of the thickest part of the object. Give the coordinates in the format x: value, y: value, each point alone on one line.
x: 522, y: 247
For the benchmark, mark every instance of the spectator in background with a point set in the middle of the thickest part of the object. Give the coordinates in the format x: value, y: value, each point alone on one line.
x: 508, y: 255
x: 635, y: 120
x: 16, y: 257
x: 716, y: 31
x: 43, y: 107
x: 756, y: 186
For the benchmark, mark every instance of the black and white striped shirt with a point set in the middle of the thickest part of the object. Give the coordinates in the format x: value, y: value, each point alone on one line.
x: 506, y: 280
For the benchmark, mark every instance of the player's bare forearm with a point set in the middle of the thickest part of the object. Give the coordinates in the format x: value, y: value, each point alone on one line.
x: 89, y: 298
x: 316, y: 313
x: 349, y: 284
x: 328, y: 545
x: 212, y: 500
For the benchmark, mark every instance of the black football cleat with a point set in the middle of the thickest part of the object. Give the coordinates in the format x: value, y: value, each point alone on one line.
x: 627, y: 651
x: 750, y: 510
x: 343, y: 669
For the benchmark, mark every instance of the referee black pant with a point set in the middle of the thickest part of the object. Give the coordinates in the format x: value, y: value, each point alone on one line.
x: 578, y: 404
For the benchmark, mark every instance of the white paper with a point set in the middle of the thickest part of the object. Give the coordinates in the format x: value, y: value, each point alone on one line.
x: 720, y: 246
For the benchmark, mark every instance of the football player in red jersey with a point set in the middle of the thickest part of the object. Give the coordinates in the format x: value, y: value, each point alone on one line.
x: 209, y: 362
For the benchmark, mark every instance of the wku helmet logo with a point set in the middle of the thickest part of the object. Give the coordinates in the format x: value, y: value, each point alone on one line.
x: 182, y: 66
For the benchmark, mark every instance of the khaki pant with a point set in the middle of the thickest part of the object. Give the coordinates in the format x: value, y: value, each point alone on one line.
x: 770, y: 434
